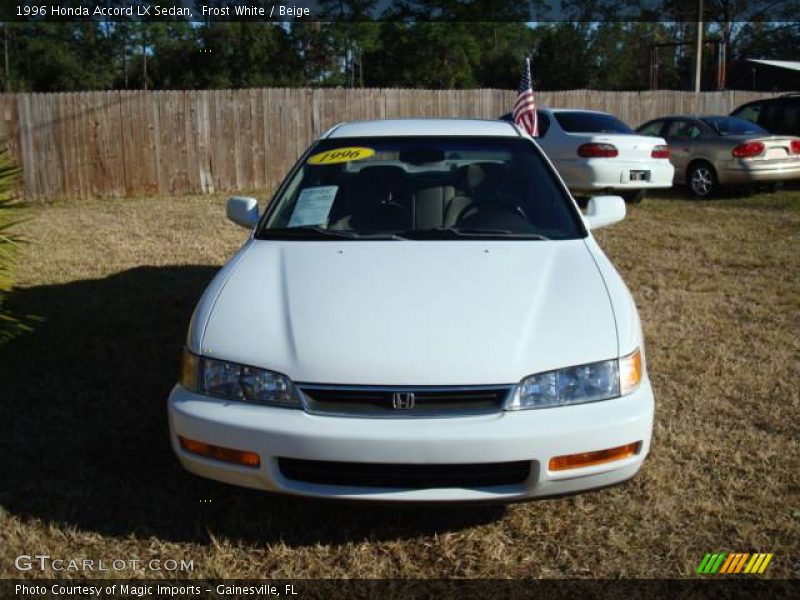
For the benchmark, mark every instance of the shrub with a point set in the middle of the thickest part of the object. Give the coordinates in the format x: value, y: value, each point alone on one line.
x: 9, y: 241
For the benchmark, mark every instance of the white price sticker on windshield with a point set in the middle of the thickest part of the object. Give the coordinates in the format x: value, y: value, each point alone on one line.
x: 313, y: 206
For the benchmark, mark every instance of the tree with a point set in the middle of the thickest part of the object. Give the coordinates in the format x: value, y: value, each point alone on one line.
x: 561, y: 59
x: 503, y: 47
x: 620, y: 54
x: 351, y: 36
x: 316, y: 49
x: 48, y: 57
x: 424, y: 55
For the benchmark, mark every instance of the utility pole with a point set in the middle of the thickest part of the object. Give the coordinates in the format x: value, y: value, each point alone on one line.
x: 144, y: 57
x: 698, y: 53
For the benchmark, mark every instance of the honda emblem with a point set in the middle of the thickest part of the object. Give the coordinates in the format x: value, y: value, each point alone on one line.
x: 403, y: 400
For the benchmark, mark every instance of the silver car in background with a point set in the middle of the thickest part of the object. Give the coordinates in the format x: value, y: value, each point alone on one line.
x: 713, y: 151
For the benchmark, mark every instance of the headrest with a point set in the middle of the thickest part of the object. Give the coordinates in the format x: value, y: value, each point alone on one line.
x: 471, y: 177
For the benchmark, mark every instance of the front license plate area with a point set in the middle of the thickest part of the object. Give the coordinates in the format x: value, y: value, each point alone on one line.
x: 639, y: 176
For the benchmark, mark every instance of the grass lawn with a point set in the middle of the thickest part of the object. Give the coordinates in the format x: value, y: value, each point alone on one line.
x: 87, y: 471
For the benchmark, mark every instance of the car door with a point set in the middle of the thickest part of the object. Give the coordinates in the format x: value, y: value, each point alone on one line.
x: 681, y: 135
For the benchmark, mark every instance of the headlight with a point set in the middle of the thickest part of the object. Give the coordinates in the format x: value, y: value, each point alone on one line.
x: 233, y: 381
x: 577, y: 385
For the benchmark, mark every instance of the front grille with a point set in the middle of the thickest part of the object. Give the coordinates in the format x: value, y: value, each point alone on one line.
x: 380, y: 402
x: 405, y: 476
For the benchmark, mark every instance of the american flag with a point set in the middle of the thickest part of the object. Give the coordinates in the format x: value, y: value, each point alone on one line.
x: 525, y: 106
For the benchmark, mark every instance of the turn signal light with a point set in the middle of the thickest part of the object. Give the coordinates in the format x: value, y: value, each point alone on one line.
x: 748, y: 149
x: 597, y: 151
x: 190, y: 367
x: 630, y: 372
x: 229, y: 455
x: 660, y: 152
x: 598, y: 457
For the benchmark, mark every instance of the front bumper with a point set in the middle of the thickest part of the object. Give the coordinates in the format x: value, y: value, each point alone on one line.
x: 532, y: 435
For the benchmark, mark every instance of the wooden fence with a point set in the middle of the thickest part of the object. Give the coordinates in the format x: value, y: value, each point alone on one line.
x: 131, y: 143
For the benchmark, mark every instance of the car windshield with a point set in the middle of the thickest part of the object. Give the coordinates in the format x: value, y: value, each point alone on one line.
x: 732, y: 126
x: 589, y: 122
x: 422, y: 188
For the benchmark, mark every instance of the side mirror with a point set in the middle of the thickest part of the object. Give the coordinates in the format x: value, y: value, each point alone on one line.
x: 243, y: 211
x: 604, y: 210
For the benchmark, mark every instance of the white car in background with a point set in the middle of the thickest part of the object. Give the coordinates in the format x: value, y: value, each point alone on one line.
x: 420, y: 314
x: 596, y: 152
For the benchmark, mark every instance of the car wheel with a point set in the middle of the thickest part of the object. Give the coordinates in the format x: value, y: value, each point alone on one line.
x: 633, y: 197
x: 702, y: 180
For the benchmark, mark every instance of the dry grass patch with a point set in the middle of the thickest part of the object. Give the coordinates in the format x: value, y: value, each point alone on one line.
x: 88, y: 472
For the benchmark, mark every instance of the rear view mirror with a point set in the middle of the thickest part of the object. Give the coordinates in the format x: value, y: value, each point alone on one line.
x: 243, y: 211
x: 604, y: 210
x: 421, y: 156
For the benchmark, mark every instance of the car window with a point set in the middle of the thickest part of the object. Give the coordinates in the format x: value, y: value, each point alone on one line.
x: 681, y: 129
x: 422, y: 188
x: 654, y: 128
x: 588, y: 122
x: 771, y: 117
x: 749, y: 112
x: 782, y: 116
x: 732, y: 126
x: 544, y: 123
x: 791, y: 118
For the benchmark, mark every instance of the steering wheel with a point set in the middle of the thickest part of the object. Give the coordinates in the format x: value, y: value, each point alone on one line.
x: 492, y: 212
x: 513, y: 202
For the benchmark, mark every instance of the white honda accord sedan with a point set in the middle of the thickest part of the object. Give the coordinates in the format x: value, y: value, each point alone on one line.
x: 421, y: 314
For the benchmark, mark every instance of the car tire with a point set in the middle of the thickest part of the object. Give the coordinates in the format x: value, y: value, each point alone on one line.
x: 633, y: 197
x: 702, y: 180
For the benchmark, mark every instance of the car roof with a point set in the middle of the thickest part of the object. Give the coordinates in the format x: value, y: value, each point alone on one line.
x: 789, y: 95
x: 575, y: 110
x: 692, y: 117
x: 424, y: 127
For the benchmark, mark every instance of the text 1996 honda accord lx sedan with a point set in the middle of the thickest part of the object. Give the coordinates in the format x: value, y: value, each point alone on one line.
x: 421, y: 314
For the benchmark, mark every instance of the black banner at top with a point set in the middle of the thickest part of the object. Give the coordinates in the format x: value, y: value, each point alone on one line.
x: 201, y: 11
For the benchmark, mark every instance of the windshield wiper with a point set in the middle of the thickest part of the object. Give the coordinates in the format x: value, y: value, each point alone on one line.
x: 461, y: 232
x: 315, y: 232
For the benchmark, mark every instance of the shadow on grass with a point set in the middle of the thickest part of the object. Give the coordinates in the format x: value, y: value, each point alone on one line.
x: 84, y: 435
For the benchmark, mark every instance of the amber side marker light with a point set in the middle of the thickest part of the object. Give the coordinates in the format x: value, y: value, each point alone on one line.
x: 598, y: 457
x: 229, y: 455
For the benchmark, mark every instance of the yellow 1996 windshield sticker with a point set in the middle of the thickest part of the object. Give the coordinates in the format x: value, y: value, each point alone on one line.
x: 340, y: 155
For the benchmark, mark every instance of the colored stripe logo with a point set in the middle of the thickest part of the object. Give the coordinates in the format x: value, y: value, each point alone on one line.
x: 735, y: 562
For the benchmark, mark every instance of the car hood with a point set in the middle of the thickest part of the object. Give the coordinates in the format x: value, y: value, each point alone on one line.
x: 412, y: 313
